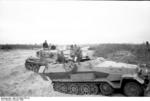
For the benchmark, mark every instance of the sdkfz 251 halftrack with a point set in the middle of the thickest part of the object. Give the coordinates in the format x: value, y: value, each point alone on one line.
x: 92, y: 76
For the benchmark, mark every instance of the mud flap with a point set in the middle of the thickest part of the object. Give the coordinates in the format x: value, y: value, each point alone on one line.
x: 41, y: 70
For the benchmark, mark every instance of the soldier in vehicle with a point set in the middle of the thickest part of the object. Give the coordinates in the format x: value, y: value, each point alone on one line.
x: 60, y: 57
x: 71, y: 47
x: 72, y: 52
x: 53, y: 47
x: 76, y: 53
x: 45, y: 45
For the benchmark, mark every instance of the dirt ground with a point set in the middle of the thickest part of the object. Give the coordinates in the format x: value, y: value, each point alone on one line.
x: 15, y: 80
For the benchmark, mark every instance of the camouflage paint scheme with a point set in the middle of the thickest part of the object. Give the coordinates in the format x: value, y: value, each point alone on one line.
x: 94, y: 71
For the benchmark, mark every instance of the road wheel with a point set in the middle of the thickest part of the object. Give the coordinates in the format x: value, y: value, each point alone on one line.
x: 73, y: 89
x: 31, y: 67
x: 133, y: 89
x: 106, y: 89
x: 94, y: 89
x: 36, y: 69
x: 27, y: 65
x: 63, y: 88
x: 56, y: 86
x: 85, y: 89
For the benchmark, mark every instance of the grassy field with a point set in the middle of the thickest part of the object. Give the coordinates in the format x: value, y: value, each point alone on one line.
x: 128, y: 53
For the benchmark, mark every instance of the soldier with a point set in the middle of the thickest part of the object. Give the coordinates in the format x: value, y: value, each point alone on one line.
x: 60, y: 57
x: 77, y: 54
x: 45, y: 45
x: 72, y: 52
x: 71, y: 47
x: 147, y: 46
x: 53, y: 47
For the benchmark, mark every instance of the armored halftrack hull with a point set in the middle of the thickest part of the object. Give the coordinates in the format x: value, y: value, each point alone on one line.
x: 94, y: 76
x: 89, y: 76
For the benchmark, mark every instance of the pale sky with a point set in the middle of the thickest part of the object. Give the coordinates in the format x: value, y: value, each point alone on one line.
x: 80, y: 22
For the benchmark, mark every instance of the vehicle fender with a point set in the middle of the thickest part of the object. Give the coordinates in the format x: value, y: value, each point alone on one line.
x: 133, y: 77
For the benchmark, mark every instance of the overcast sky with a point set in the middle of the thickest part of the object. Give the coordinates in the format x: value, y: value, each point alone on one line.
x: 79, y: 22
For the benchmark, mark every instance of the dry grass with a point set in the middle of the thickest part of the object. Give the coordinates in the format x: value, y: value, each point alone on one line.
x: 129, y: 53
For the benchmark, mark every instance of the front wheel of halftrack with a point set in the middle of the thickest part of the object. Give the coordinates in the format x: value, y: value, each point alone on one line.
x: 133, y: 89
x: 106, y: 89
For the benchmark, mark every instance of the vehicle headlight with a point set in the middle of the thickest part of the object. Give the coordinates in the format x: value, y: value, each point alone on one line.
x: 144, y: 71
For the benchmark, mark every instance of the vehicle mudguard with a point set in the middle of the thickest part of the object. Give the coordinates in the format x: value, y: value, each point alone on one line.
x: 133, y: 77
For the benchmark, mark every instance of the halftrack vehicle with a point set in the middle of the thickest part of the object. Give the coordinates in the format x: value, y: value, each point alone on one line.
x: 94, y: 76
x: 91, y: 76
